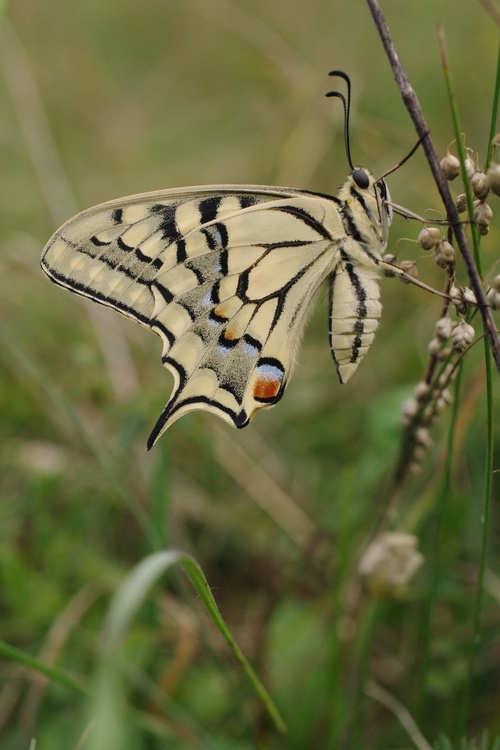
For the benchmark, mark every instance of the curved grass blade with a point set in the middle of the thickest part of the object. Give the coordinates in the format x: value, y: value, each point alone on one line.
x: 31, y: 662
x: 109, y: 723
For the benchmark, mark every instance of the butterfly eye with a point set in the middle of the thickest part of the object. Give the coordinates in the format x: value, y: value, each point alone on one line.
x: 361, y: 178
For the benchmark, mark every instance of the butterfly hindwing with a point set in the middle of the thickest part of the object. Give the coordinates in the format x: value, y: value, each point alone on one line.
x: 223, y: 275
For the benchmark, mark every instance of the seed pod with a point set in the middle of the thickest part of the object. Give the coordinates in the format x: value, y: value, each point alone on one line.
x: 434, y: 347
x: 447, y: 396
x: 461, y: 203
x: 470, y: 167
x: 462, y: 336
x: 493, y: 176
x: 493, y: 295
x: 444, y: 400
x: 443, y: 328
x: 447, y: 376
x: 428, y: 237
x: 480, y: 185
x: 493, y: 298
x: 468, y: 296
x: 408, y: 411
x: 444, y: 254
x: 410, y: 268
x: 444, y: 353
x: 421, y: 390
x: 450, y: 166
x: 423, y: 438
x: 457, y: 299
x: 482, y: 214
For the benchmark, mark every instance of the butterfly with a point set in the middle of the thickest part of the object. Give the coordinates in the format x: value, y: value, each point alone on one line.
x: 226, y: 275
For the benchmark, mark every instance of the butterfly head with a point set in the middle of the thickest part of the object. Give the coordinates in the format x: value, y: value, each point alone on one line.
x: 368, y: 203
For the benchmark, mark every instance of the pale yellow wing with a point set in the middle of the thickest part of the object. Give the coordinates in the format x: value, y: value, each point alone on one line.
x: 224, y: 275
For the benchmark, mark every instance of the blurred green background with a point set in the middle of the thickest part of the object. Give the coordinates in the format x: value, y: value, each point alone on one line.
x: 103, y: 99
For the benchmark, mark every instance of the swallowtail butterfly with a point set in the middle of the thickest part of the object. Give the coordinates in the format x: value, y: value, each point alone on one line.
x: 225, y: 275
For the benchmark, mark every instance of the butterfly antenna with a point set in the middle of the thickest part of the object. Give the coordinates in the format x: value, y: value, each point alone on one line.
x: 347, y: 110
x: 403, y: 161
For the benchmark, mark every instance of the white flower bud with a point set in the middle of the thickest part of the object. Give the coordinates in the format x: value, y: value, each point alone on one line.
x: 440, y: 405
x: 457, y: 299
x: 410, y: 268
x: 434, y: 347
x: 450, y: 166
x: 449, y: 373
x: 444, y: 400
x: 469, y: 296
x: 444, y: 353
x: 443, y: 328
x: 389, y: 563
x: 496, y: 282
x: 444, y: 254
x: 421, y: 390
x: 493, y: 298
x: 462, y: 336
x: 423, y: 438
x: 428, y: 237
x: 408, y: 411
x: 447, y: 396
x: 493, y: 295
x: 482, y: 214
x: 494, y: 178
x: 470, y: 167
x: 480, y: 185
x: 461, y: 203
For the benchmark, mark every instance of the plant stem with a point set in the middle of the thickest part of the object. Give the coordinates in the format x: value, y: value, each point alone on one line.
x: 412, y: 104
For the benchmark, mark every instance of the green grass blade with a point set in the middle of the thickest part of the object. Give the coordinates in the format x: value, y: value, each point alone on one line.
x: 494, y: 110
x: 53, y: 674
x: 109, y: 731
x: 485, y: 515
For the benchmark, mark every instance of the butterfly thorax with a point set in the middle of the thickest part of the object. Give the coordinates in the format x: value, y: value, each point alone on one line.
x: 366, y: 211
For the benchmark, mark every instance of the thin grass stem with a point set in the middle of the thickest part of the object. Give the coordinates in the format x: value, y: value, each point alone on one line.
x: 478, y: 601
x: 494, y: 111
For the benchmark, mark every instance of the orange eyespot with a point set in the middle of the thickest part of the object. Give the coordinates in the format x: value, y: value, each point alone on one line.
x: 266, y: 389
x: 267, y: 386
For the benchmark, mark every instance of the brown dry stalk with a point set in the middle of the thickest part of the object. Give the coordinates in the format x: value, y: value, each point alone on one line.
x: 413, y: 106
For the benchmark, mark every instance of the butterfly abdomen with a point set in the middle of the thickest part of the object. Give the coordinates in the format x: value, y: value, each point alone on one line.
x: 354, y: 313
